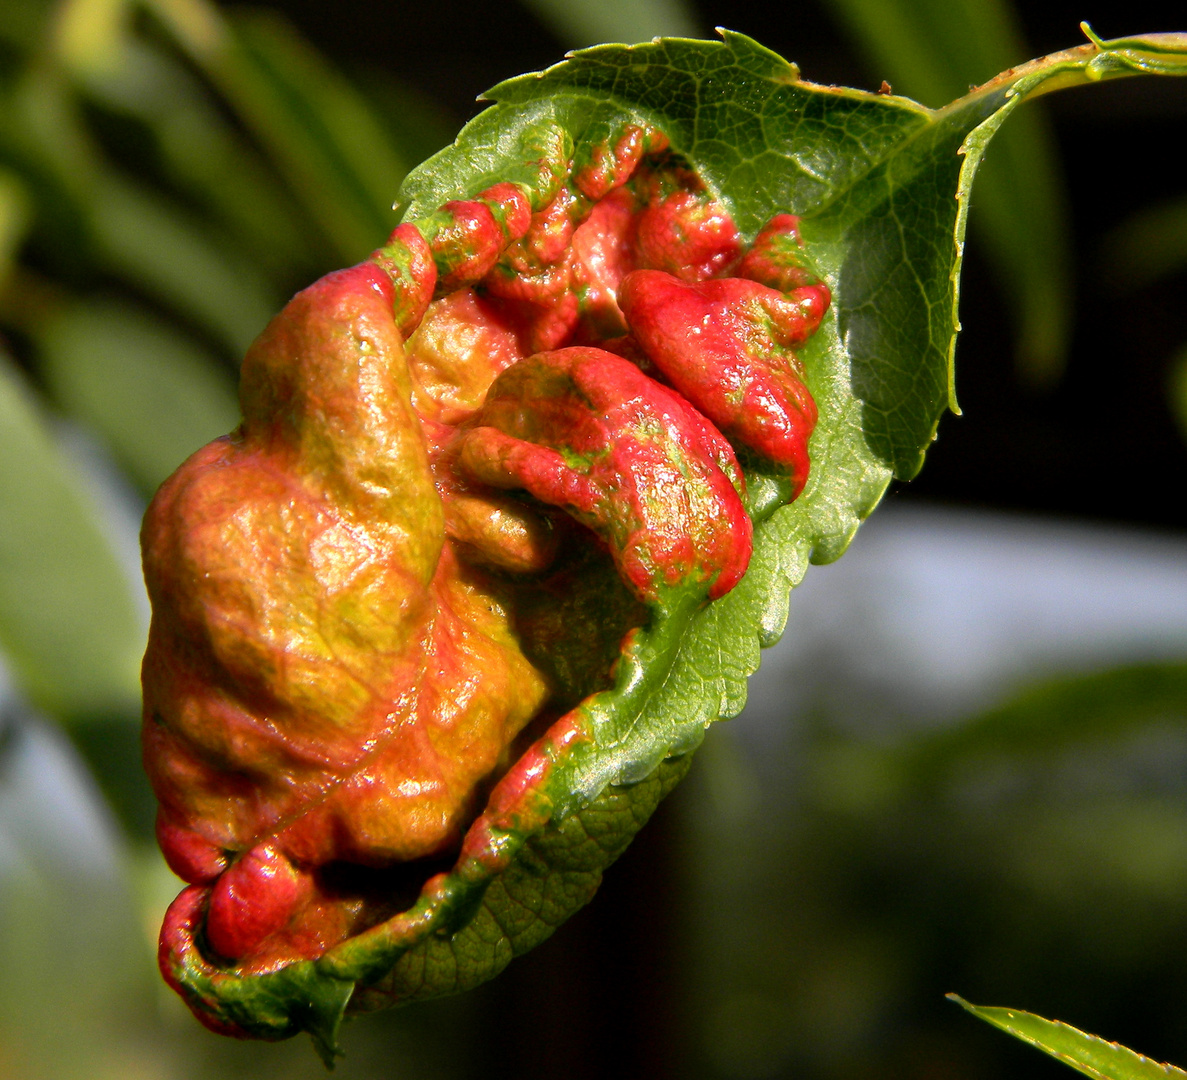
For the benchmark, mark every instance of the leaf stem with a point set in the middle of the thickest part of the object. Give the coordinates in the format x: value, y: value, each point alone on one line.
x: 1095, y: 61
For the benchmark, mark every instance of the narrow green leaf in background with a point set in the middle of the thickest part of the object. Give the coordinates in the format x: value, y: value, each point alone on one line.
x: 149, y: 242
x: 21, y: 25
x: 68, y: 624
x: 15, y: 211
x: 1177, y: 380
x: 1085, y: 1053
x: 933, y: 50
x: 89, y: 34
x: 579, y: 23
x: 321, y: 131
x: 1099, y: 707
x: 112, y: 365
x: 198, y: 147
x: 1148, y: 246
x: 164, y: 252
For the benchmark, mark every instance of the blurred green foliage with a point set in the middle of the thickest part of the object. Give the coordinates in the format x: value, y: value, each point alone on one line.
x: 1035, y: 853
x: 169, y: 173
x: 167, y: 177
x: 67, y: 622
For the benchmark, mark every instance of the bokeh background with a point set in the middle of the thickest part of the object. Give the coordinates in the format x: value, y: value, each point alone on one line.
x: 963, y: 769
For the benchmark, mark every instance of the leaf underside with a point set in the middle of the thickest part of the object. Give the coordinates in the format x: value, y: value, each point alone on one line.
x: 879, y: 184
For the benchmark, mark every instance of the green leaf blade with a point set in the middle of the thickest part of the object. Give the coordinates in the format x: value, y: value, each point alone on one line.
x: 330, y: 144
x: 583, y: 22
x: 1085, y: 1053
x: 933, y: 51
x: 111, y: 365
x: 68, y: 623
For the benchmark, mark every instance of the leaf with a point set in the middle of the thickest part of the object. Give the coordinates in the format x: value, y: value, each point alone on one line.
x: 199, y: 149
x: 1046, y: 719
x: 1178, y: 390
x: 872, y: 178
x: 318, y: 128
x: 932, y: 50
x: 164, y: 252
x: 68, y: 623
x: 14, y: 218
x: 583, y: 22
x: 21, y: 24
x: 1148, y: 246
x: 127, y: 229
x: 111, y: 366
x: 1087, y: 1054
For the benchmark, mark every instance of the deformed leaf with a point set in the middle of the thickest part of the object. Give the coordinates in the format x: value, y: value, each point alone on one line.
x: 880, y: 187
x: 1085, y: 1053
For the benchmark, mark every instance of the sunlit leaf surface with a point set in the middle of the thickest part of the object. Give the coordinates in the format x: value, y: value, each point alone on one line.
x: 1085, y: 1053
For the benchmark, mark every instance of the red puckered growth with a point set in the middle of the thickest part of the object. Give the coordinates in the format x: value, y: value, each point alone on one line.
x: 727, y: 345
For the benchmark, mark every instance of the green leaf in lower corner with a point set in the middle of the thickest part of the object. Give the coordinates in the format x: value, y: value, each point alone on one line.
x: 1085, y: 1053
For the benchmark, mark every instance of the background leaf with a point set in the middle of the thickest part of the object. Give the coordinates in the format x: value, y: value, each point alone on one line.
x: 111, y: 366
x: 587, y: 22
x: 1148, y: 246
x: 316, y: 125
x: 144, y: 239
x: 15, y: 206
x: 67, y: 621
x: 1042, y: 721
x: 197, y: 147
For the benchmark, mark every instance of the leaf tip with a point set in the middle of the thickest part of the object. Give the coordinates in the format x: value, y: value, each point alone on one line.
x: 742, y: 45
x: 328, y: 1052
x: 322, y: 1017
